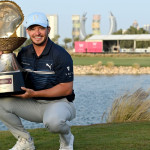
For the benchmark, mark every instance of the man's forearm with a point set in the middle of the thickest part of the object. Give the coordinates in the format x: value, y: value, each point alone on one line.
x: 62, y: 89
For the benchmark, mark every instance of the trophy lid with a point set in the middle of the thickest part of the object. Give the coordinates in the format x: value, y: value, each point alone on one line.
x: 11, y: 17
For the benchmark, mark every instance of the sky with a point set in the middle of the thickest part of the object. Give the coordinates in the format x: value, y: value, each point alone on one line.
x: 125, y: 12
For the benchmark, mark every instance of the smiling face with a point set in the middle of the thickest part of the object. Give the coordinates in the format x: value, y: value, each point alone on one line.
x: 38, y: 34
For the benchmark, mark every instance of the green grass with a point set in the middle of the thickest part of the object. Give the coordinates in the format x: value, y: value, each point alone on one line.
x: 118, y: 61
x: 115, y: 136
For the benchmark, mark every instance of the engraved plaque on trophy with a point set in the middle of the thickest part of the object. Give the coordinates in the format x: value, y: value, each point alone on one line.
x: 11, y: 74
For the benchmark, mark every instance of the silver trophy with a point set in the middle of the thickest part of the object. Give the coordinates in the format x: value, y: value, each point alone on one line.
x: 11, y: 74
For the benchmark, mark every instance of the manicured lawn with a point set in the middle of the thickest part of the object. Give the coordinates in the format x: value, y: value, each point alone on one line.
x: 143, y: 61
x: 116, y: 136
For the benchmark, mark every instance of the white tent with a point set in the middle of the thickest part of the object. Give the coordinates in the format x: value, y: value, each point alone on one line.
x: 134, y: 37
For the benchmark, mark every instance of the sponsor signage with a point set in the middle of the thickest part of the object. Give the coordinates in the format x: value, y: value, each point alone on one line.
x: 89, y: 47
x: 95, y: 47
x: 80, y: 47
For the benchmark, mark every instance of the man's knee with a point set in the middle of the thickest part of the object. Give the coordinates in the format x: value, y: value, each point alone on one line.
x: 54, y: 124
x: 3, y: 113
x: 5, y: 106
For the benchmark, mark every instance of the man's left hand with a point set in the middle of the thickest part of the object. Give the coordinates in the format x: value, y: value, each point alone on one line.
x: 28, y: 93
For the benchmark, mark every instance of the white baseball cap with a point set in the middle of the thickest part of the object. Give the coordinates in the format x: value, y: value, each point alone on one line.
x: 37, y: 18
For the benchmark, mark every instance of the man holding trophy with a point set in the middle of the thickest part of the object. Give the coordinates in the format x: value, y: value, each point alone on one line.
x: 48, y: 93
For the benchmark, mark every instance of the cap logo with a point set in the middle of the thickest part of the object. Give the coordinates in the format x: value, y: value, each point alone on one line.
x: 35, y: 17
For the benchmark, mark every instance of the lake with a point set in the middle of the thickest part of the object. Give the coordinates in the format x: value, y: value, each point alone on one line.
x: 95, y: 94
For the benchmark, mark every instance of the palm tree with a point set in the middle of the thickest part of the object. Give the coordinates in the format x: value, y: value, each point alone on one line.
x: 66, y: 41
x: 55, y: 39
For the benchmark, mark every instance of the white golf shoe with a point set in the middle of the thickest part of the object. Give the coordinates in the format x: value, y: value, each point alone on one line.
x: 23, y: 144
x: 66, y: 142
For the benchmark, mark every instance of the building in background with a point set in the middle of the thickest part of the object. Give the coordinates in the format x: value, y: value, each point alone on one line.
x: 76, y: 26
x: 147, y: 28
x: 53, y: 22
x: 135, y: 24
x: 21, y: 31
x: 82, y: 27
x: 96, y: 24
x: 113, y: 24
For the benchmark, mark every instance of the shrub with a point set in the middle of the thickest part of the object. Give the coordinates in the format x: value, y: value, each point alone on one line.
x: 133, y: 107
x: 98, y: 65
x: 136, y: 65
x: 110, y: 64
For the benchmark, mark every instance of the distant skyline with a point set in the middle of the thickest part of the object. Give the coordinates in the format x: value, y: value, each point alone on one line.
x: 125, y: 12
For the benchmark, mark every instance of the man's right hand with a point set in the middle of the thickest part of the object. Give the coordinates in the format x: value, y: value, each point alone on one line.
x: 1, y: 52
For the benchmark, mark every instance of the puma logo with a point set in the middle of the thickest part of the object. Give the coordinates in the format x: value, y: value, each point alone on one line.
x: 49, y: 66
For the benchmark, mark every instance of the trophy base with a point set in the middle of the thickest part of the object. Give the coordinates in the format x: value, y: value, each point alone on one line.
x: 9, y: 94
x: 11, y: 83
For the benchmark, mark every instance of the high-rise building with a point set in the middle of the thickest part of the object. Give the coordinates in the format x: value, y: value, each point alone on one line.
x: 135, y: 24
x: 76, y: 26
x: 82, y: 27
x: 96, y: 24
x: 113, y: 24
x: 147, y: 27
x: 53, y: 23
x: 21, y: 31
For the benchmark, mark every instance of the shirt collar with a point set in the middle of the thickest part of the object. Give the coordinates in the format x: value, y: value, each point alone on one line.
x: 46, y: 49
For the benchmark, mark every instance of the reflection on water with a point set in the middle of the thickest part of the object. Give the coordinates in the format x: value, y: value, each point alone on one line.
x: 95, y: 94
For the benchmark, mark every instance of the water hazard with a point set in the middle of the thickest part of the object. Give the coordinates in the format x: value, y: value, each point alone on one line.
x: 95, y: 94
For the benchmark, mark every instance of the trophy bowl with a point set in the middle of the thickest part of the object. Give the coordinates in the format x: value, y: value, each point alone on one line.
x: 11, y: 73
x: 11, y: 43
